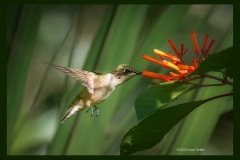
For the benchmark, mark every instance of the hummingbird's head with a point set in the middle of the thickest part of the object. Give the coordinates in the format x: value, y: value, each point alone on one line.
x: 124, y: 72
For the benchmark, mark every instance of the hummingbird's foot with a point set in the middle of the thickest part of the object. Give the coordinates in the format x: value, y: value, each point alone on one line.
x: 97, y: 111
x: 93, y: 110
x: 88, y: 110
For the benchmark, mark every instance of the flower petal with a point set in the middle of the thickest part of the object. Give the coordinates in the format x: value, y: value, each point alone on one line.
x: 205, y: 43
x: 169, y: 64
x: 210, y: 46
x: 182, y: 49
x: 173, y: 58
x: 183, y: 66
x: 182, y: 71
x: 173, y: 47
x: 196, y: 48
x: 149, y: 74
x: 194, y: 61
x: 175, y: 75
x: 191, y: 69
x: 154, y: 60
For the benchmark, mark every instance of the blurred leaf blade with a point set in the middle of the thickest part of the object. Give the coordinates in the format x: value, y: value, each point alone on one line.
x: 158, y: 96
x: 57, y: 146
x: 66, y: 129
x: 19, y: 64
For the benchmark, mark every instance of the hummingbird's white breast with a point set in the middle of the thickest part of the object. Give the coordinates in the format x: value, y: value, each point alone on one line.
x: 104, y: 85
x: 112, y: 81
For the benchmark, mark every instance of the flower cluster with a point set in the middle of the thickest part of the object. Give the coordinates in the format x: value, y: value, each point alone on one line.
x: 177, y: 62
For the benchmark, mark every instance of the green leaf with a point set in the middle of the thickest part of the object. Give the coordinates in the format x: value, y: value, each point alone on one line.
x: 152, y: 129
x: 158, y: 96
x: 64, y: 132
x: 22, y: 51
x: 216, y: 62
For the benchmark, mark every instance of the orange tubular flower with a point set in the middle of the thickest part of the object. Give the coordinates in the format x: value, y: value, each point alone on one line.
x: 177, y: 62
x: 184, y: 66
x: 173, y: 47
x: 196, y: 48
x: 205, y: 43
x: 195, y: 63
x: 175, y: 75
x: 169, y: 64
x: 156, y: 75
x: 154, y: 60
x: 210, y: 46
x: 161, y: 53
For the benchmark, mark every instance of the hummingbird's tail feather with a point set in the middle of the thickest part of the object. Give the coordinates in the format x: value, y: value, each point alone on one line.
x: 70, y: 112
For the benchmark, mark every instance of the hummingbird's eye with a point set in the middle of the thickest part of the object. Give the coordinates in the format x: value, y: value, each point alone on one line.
x: 127, y: 71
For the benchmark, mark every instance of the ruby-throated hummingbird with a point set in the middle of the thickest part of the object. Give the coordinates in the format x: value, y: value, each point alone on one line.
x: 97, y: 87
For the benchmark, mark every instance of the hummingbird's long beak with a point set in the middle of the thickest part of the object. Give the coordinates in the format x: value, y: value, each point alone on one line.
x: 138, y: 73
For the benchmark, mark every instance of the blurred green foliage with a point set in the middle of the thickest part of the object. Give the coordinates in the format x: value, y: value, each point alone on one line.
x: 98, y: 38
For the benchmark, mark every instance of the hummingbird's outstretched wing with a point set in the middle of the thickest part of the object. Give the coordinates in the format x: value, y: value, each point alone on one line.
x: 85, y: 77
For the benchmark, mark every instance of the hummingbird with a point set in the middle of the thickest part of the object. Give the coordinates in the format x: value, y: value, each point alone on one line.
x: 97, y: 87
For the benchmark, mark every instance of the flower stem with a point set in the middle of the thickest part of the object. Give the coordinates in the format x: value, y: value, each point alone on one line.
x: 194, y: 78
x: 224, y: 81
x: 209, y: 85
x: 219, y: 96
